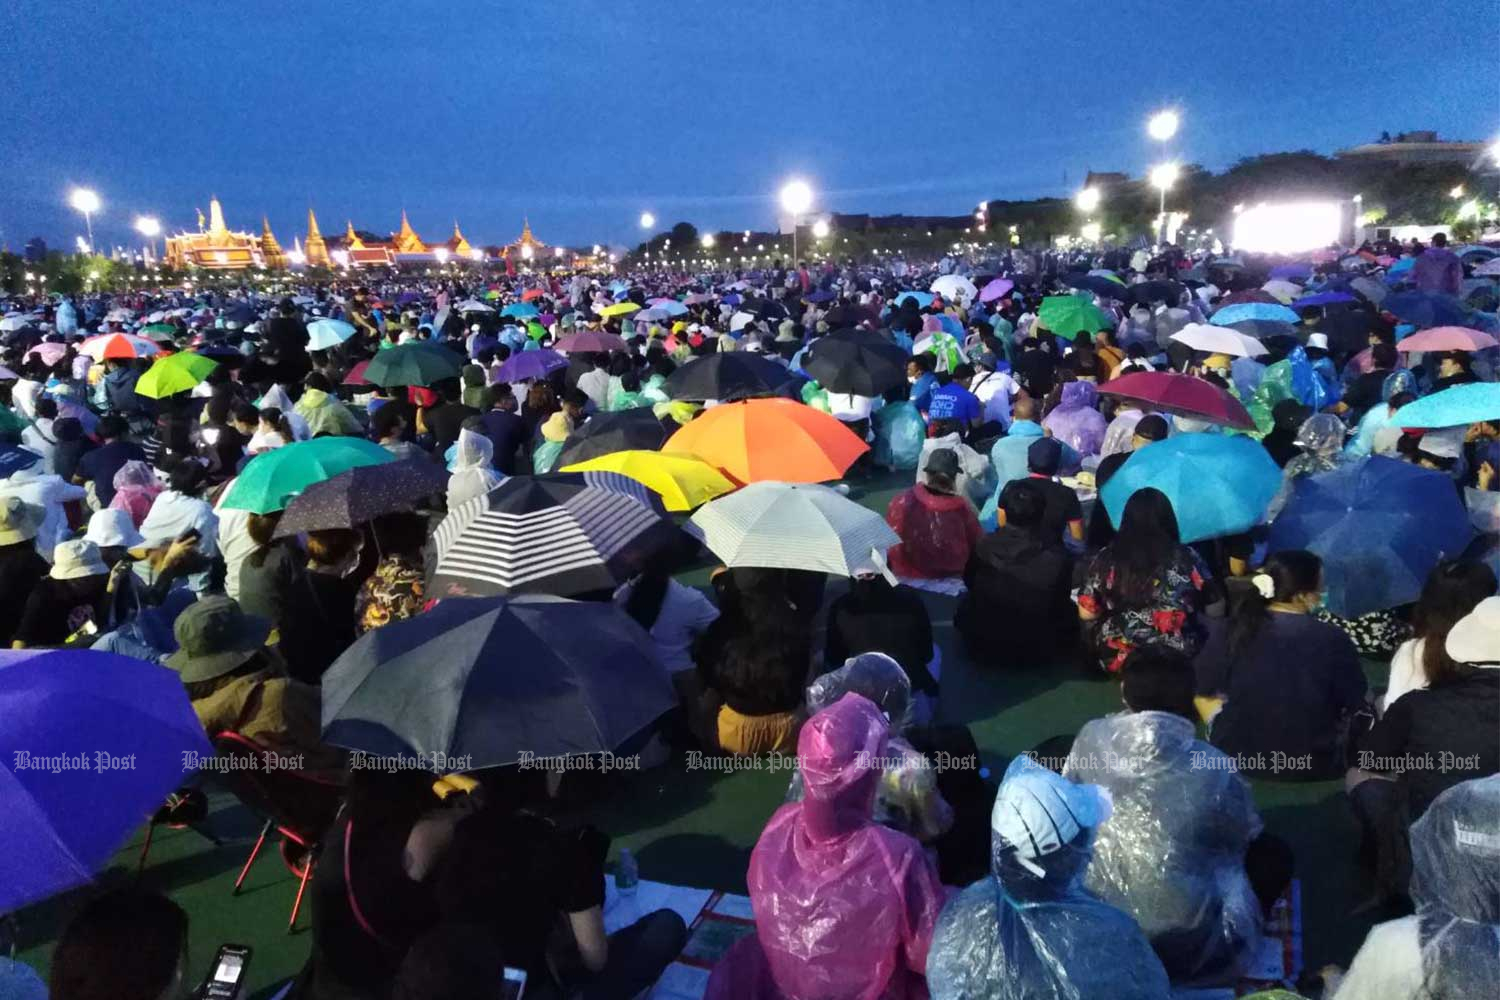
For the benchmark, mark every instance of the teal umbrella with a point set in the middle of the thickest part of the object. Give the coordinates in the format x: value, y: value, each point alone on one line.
x: 521, y: 310
x: 271, y: 479
x: 1218, y: 484
x: 1069, y: 315
x: 1472, y: 403
x: 413, y: 364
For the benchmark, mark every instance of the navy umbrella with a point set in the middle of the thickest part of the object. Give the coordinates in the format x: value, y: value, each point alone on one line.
x: 725, y: 376
x: 1379, y: 525
x: 14, y: 459
x: 1099, y: 285
x: 856, y: 361
x: 361, y: 495
x: 566, y: 533
x: 483, y: 682
x: 635, y: 429
x: 1147, y: 292
x: 1425, y: 309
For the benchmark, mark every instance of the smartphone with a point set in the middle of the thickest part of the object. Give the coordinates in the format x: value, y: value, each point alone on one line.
x: 226, y: 977
x: 514, y: 984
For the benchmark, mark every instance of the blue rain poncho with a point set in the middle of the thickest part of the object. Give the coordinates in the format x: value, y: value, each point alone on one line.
x: 899, y: 433
x: 1031, y: 930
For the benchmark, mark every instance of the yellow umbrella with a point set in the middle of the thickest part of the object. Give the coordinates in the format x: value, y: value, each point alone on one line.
x: 619, y: 309
x: 684, y: 481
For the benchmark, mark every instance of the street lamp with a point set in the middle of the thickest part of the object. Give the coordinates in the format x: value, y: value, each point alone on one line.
x: 149, y: 227
x: 796, y: 199
x: 1457, y: 192
x: 820, y: 229
x: 707, y: 240
x: 1163, y: 176
x: 86, y: 201
x: 1163, y: 125
x: 1087, y: 200
x: 647, y: 220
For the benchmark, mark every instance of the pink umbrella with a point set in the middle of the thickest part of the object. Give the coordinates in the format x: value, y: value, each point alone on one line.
x: 590, y: 340
x: 356, y: 374
x: 996, y: 289
x: 1447, y: 338
x: 50, y: 353
x: 1170, y: 392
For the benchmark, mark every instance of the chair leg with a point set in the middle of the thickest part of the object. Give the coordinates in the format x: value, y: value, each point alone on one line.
x: 140, y: 865
x: 307, y: 867
x: 253, y: 855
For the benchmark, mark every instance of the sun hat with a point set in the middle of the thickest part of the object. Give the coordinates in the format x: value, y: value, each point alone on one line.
x: 214, y: 636
x: 1038, y: 811
x: 19, y: 520
x: 1476, y: 638
x: 110, y: 527
x: 76, y: 558
x: 1318, y: 341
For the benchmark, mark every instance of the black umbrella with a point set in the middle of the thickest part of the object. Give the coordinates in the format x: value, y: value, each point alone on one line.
x: 1147, y: 292
x: 566, y: 533
x: 476, y: 683
x: 635, y: 429
x: 856, y: 361
x: 725, y: 376
x: 1260, y: 329
x: 1098, y: 284
x: 361, y: 495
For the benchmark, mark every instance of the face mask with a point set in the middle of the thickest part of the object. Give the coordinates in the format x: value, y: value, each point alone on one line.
x: 911, y: 379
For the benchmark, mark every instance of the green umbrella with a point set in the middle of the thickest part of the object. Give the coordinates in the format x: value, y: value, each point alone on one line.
x: 173, y: 374
x: 413, y: 364
x: 164, y: 328
x: 1069, y: 315
x: 271, y: 479
x: 535, y: 330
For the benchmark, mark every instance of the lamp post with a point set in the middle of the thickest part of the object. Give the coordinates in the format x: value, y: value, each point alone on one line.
x: 86, y: 201
x: 796, y: 199
x: 1163, y: 176
x: 1163, y: 125
x: 647, y: 220
x: 149, y: 227
x: 1087, y: 201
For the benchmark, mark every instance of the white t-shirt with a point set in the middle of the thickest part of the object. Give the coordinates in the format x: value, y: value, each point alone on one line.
x: 684, y: 614
x: 848, y: 407
x: 995, y: 390
x: 1406, y: 672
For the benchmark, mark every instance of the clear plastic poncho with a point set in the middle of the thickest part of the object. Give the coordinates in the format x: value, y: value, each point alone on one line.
x: 1293, y: 377
x: 473, y: 468
x: 1076, y: 421
x: 1455, y: 854
x: 1172, y: 854
x: 844, y: 907
x: 899, y: 432
x: 1031, y: 931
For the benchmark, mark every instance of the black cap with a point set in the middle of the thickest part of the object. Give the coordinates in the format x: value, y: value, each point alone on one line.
x: 943, y: 462
x: 1044, y: 456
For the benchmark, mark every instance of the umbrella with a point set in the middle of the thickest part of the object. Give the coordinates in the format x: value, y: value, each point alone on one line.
x: 1147, y: 292
x: 861, y: 362
x: 726, y: 375
x: 420, y: 363
x: 635, y: 429
x: 50, y: 353
x: 1298, y: 271
x: 13, y: 459
x: 6, y: 375
x: 1489, y: 269
x: 1111, y: 288
x: 356, y: 374
x: 173, y: 374
x: 525, y: 365
x: 1247, y: 296
x: 1225, y: 315
x: 1182, y: 394
x: 108, y: 737
x: 821, y: 295
x: 494, y: 680
x: 770, y: 439
x: 1282, y: 291
x: 119, y: 345
x: 565, y: 533
x: 591, y: 341
x: 922, y: 299
x: 521, y: 310
x: 618, y: 309
x: 475, y: 306
x: 1380, y: 527
x: 1471, y: 403
x: 162, y: 330
x: 1219, y: 340
x: 1219, y: 484
x: 672, y: 307
x: 955, y: 287
x: 1347, y: 329
x: 531, y: 293
x: 1371, y: 289
x: 999, y: 288
x: 325, y: 333
x: 1400, y: 267
x: 12, y: 323
x: 682, y: 481
x: 794, y: 526
x: 272, y: 478
x: 1447, y: 338
x: 1264, y: 329
x: 1425, y: 309
x: 1322, y: 299
x: 361, y: 494
x: 1069, y: 315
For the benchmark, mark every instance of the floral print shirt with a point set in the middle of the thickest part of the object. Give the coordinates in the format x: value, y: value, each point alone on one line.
x: 1169, y: 616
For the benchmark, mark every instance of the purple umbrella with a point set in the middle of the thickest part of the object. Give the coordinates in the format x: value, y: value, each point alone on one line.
x: 90, y: 744
x: 592, y: 341
x: 530, y: 365
x: 732, y: 299
x: 1299, y: 271
x: 821, y: 295
x: 406, y: 297
x: 1322, y: 299
x: 997, y: 289
x: 88, y: 418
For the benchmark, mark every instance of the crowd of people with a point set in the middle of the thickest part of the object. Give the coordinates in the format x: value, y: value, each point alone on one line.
x: 1136, y: 865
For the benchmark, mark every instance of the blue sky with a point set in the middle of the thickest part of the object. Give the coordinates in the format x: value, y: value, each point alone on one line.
x: 582, y: 113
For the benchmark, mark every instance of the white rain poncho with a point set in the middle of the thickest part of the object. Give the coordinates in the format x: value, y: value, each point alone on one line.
x: 1172, y: 854
x: 1031, y: 931
x: 473, y: 468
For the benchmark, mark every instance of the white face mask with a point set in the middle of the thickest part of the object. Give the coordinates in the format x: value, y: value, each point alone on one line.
x: 911, y: 379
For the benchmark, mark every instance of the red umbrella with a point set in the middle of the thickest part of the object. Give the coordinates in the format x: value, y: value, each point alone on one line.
x: 532, y: 293
x: 1170, y: 392
x: 590, y: 341
x: 356, y: 375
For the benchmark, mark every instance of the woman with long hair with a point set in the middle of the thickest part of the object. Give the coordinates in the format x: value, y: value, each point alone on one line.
x: 1277, y: 685
x: 1453, y: 589
x: 1145, y: 587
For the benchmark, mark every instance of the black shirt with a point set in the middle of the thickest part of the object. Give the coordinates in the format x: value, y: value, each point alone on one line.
x: 1445, y: 734
x: 58, y: 608
x: 445, y: 421
x: 507, y: 432
x: 1062, y: 507
x: 100, y: 465
x: 20, y: 569
x: 1364, y: 392
x: 875, y: 617
x: 1018, y: 608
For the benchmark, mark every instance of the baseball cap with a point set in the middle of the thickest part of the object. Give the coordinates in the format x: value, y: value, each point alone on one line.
x: 1044, y: 456
x: 943, y: 462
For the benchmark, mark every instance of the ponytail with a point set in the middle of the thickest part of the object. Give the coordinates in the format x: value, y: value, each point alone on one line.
x: 1283, y: 577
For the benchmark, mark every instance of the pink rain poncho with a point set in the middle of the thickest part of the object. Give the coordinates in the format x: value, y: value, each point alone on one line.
x: 1076, y: 421
x: 844, y: 907
x: 136, y: 488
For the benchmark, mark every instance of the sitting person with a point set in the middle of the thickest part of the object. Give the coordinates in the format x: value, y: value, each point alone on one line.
x: 1031, y: 929
x: 71, y: 604
x: 1447, y: 948
x: 876, y: 617
x: 938, y: 527
x: 1018, y: 608
x: 753, y: 663
x: 1173, y: 852
x: 126, y: 944
x: 1452, y: 590
x: 1276, y: 685
x: 844, y: 907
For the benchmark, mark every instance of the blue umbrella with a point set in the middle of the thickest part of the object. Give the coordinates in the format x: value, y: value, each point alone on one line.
x: 672, y: 308
x: 821, y: 295
x: 1241, y: 311
x: 923, y: 299
x: 1426, y: 309
x: 1472, y: 403
x: 1218, y: 484
x: 1299, y: 271
x: 90, y: 744
x: 1322, y: 299
x: 1380, y: 527
x: 732, y: 299
x: 521, y: 310
x: 530, y: 365
x: 1401, y: 266
x: 13, y: 460
x: 325, y: 333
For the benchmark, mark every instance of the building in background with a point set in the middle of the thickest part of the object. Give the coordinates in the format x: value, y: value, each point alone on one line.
x: 1411, y: 148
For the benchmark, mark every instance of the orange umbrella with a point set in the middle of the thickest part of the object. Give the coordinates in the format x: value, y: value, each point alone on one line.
x: 532, y: 293
x: 770, y: 439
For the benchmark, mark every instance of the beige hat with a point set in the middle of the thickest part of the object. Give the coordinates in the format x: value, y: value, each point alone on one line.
x: 19, y: 520
x: 1476, y: 638
x: 77, y: 558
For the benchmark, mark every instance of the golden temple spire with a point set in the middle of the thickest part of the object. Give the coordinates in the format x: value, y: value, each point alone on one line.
x: 407, y: 240
x: 317, y: 248
x: 458, y: 243
x: 216, y: 225
x: 351, y: 238
x: 269, y: 248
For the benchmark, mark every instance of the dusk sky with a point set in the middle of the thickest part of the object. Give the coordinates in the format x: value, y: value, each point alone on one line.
x: 583, y: 113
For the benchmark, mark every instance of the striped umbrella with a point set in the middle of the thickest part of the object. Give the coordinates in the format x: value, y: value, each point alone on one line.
x: 564, y: 534
x: 794, y: 526
x: 119, y: 345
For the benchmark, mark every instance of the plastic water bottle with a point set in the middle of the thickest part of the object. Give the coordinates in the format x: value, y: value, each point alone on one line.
x: 627, y: 873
